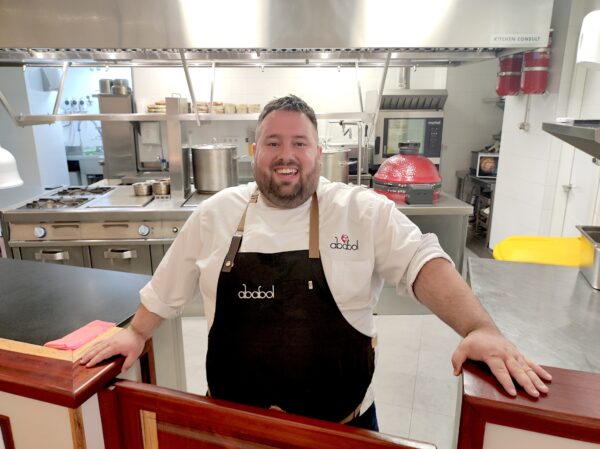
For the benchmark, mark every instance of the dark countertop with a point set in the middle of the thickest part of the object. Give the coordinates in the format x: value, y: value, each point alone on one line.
x: 40, y: 302
x: 550, y: 312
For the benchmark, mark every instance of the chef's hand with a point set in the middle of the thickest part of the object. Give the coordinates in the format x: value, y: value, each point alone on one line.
x: 504, y: 359
x: 127, y: 343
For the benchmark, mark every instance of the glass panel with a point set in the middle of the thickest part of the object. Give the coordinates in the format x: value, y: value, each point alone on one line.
x: 404, y: 130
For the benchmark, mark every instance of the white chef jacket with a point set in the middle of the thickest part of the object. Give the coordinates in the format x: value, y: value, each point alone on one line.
x: 364, y: 240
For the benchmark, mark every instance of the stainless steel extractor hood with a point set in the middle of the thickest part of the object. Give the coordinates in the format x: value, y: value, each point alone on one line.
x: 413, y: 99
x: 582, y: 134
x: 424, y: 32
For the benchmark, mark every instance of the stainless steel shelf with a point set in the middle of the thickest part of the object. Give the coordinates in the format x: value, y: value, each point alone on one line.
x: 29, y: 120
x: 582, y: 134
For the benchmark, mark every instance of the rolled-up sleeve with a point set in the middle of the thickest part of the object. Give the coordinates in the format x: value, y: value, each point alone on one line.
x: 401, y: 249
x: 176, y: 279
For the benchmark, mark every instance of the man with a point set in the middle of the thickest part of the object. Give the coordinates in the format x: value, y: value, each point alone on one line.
x: 290, y: 269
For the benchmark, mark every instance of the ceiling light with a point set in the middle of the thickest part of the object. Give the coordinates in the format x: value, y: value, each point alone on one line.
x: 588, y: 50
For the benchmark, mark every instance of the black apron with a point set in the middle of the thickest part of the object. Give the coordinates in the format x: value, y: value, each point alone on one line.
x: 279, y: 339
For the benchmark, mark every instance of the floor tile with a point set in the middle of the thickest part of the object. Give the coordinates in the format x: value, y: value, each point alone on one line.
x: 195, y: 341
x: 394, y: 388
x: 433, y: 428
x: 393, y: 419
x: 437, y: 335
x: 399, y: 330
x: 436, y: 364
x: 436, y: 395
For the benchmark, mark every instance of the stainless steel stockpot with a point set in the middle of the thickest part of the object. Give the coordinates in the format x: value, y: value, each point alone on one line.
x: 336, y: 164
x: 215, y: 167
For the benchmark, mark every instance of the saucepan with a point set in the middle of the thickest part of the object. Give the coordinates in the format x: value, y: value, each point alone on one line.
x: 161, y: 187
x: 142, y: 188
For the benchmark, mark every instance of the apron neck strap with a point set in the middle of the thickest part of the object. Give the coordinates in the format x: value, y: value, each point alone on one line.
x: 253, y: 199
x: 313, y: 238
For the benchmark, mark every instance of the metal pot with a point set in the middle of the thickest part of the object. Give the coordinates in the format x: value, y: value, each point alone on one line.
x: 162, y: 187
x: 120, y: 90
x: 142, y: 188
x: 336, y: 164
x: 367, y: 153
x: 215, y: 167
x: 105, y: 86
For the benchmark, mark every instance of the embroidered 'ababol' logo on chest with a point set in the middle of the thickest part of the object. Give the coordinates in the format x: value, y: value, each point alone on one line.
x: 344, y: 243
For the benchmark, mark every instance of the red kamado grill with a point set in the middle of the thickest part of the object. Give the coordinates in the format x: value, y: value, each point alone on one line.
x: 408, y: 177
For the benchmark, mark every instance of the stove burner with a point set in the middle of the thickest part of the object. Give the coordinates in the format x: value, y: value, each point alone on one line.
x: 55, y: 203
x: 83, y: 191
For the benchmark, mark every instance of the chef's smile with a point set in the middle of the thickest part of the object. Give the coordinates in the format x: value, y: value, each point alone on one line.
x: 287, y: 173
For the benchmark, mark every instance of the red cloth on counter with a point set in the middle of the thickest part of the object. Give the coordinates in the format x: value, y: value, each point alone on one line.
x: 81, y: 336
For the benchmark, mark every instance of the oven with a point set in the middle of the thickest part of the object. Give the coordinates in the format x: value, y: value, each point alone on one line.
x: 423, y: 129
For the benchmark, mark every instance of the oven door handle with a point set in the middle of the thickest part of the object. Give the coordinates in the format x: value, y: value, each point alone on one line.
x: 65, y: 225
x: 119, y: 253
x: 115, y: 225
x: 52, y: 254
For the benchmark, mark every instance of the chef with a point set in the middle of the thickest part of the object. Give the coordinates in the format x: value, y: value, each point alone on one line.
x: 290, y: 268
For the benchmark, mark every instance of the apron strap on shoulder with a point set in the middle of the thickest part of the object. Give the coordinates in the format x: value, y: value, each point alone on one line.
x: 313, y: 239
x: 236, y: 241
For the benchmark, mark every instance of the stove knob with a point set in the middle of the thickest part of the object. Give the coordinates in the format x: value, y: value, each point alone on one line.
x: 143, y: 230
x: 39, y: 232
x: 175, y: 229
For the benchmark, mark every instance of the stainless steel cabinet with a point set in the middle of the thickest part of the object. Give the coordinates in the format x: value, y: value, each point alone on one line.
x: 129, y: 258
x: 68, y: 255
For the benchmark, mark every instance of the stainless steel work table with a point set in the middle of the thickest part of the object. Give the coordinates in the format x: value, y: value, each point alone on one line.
x: 550, y: 312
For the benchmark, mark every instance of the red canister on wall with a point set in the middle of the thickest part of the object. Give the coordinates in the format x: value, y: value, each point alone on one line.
x: 509, y: 77
x: 536, y: 64
x: 509, y: 83
x: 511, y: 63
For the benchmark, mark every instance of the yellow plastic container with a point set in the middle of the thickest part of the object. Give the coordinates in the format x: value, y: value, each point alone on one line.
x: 538, y: 249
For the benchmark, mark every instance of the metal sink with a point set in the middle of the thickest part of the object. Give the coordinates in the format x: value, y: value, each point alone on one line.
x: 589, y: 257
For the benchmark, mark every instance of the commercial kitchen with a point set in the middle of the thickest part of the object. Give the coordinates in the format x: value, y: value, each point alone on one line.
x: 478, y: 118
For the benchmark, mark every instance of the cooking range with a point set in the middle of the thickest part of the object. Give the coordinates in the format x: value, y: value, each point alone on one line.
x: 67, y: 197
x: 99, y: 227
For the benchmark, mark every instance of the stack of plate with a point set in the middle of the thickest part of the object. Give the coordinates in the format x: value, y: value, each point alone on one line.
x: 158, y: 107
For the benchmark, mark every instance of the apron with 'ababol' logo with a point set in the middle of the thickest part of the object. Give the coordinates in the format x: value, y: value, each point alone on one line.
x: 279, y: 339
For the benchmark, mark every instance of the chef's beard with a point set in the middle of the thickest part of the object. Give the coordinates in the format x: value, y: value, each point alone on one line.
x: 279, y: 195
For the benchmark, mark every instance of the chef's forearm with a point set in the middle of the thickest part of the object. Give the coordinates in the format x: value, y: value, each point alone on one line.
x: 439, y: 287
x: 144, y: 322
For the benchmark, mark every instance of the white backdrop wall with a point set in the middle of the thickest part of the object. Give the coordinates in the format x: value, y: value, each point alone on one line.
x: 470, y: 117
x: 50, y: 150
x: 19, y: 141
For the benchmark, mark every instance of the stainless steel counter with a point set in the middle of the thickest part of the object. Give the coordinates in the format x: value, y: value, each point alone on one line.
x: 121, y: 204
x: 447, y: 205
x: 550, y: 312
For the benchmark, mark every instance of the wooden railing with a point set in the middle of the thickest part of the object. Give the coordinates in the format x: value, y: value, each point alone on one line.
x: 142, y: 416
x: 570, y: 410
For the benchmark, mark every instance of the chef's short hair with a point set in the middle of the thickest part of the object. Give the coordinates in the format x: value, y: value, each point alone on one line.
x: 288, y: 103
